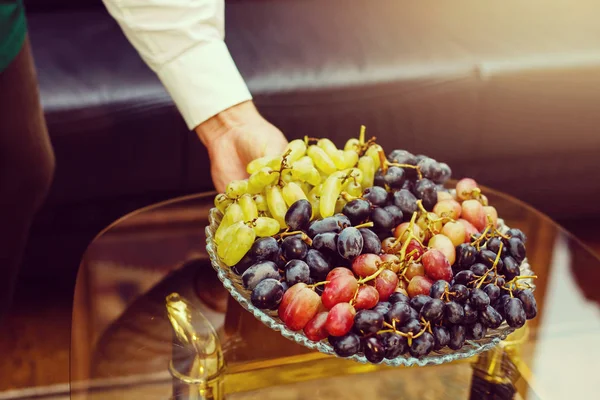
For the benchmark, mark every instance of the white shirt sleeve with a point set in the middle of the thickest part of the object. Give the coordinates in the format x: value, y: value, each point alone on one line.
x: 183, y: 42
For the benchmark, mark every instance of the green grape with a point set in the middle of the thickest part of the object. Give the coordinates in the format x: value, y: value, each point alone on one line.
x: 321, y: 159
x: 265, y: 227
x: 236, y: 188
x: 353, y: 189
x: 315, y: 192
x: 261, y: 203
x: 277, y: 205
x: 316, y: 205
x: 355, y: 174
x: 292, y: 192
x: 339, y: 159
x: 222, y: 202
x: 367, y: 166
x: 257, y: 164
x: 275, y: 163
x: 330, y: 191
x: 314, y: 177
x: 297, y: 150
x: 303, y: 163
x: 249, y: 207
x: 352, y: 144
x: 337, y: 156
x: 373, y: 152
x: 237, y: 241
x: 233, y: 214
x: 305, y: 186
x: 350, y: 159
x: 286, y: 175
x: 260, y: 179
x: 339, y: 205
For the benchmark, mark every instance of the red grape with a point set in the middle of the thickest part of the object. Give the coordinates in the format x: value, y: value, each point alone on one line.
x: 341, y: 288
x: 455, y: 231
x: 414, y: 269
x: 464, y: 188
x: 300, y: 308
x: 315, y: 328
x: 473, y: 211
x: 385, y: 283
x: 492, y: 213
x: 470, y: 229
x: 403, y: 227
x: 340, y: 319
x: 441, y: 196
x: 366, y: 264
x: 392, y: 262
x: 389, y: 245
x: 445, y: 245
x: 437, y: 265
x: 367, y: 297
x: 419, y: 285
x: 339, y: 271
x: 289, y: 295
x: 448, y: 208
x: 412, y: 246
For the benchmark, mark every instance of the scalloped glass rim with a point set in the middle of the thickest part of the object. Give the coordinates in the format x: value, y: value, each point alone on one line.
x: 233, y: 284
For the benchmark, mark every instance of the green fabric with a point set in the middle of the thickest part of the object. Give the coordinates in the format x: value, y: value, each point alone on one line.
x: 12, y: 30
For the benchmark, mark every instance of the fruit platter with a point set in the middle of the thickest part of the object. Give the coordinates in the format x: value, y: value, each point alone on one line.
x: 369, y: 255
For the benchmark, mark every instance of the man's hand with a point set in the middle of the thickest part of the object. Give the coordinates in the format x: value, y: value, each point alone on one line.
x: 235, y: 137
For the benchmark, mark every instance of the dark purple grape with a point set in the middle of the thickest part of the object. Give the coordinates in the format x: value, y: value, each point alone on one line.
x: 376, y: 195
x: 402, y: 157
x: 394, y: 177
x: 259, y: 272
x: 350, y: 243
x: 409, y: 184
x: 446, y: 173
x: 294, y: 248
x: 406, y: 202
x: 267, y: 294
x: 329, y: 224
x: 517, y: 233
x: 345, y: 346
x: 490, y: 317
x: 479, y: 269
x: 373, y: 349
x: 263, y: 249
x: 297, y: 271
x: 371, y: 242
x: 441, y: 334
x: 492, y: 291
x: 382, y: 220
x: 465, y: 256
x: 368, y: 321
x: 318, y: 265
x: 500, y: 281
x: 396, y: 214
x: 511, y: 268
x: 357, y: 211
x: 454, y: 312
x: 457, y: 337
x: 399, y: 314
x: 516, y: 249
x: 499, y: 305
x: 398, y: 297
x: 414, y: 314
x: 427, y: 192
x: 460, y: 293
x: 493, y: 245
x: 422, y: 345
x: 298, y: 215
x: 470, y: 314
x: 383, y: 307
x: 433, y: 310
x: 464, y: 277
x: 514, y: 313
x: 394, y: 345
x: 342, y: 220
x: 430, y: 169
x: 488, y: 257
x: 419, y: 301
x: 438, y: 289
x: 490, y: 277
x: 476, y: 331
x: 479, y: 299
x: 325, y: 242
x: 413, y: 326
x: 529, y: 303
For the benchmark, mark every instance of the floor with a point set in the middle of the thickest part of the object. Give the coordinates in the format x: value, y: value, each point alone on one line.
x: 34, y: 339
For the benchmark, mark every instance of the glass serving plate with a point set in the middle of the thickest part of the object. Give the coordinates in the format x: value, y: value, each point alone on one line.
x: 233, y: 283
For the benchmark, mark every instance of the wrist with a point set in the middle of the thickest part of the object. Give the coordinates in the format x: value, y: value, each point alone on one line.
x: 223, y: 122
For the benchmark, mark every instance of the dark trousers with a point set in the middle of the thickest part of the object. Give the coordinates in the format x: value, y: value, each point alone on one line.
x: 26, y: 165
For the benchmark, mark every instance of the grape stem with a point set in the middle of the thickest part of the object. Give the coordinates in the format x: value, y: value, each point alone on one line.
x: 364, y: 225
x: 494, y: 267
x: 314, y: 285
x: 371, y: 277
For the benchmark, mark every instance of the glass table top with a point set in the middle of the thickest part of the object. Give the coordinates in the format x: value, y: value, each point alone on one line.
x: 123, y: 343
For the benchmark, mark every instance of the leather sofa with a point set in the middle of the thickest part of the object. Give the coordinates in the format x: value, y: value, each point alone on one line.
x: 506, y: 92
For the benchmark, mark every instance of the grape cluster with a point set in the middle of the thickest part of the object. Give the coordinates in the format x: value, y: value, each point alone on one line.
x: 371, y: 252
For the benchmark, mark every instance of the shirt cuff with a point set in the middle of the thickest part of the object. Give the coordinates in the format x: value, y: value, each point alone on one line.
x: 204, y: 81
